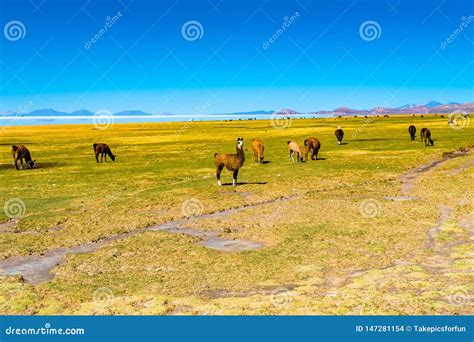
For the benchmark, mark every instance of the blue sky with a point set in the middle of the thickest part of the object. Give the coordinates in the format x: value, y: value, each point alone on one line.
x: 320, y: 60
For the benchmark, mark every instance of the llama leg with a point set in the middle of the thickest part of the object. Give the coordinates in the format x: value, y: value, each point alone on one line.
x: 16, y: 163
x: 306, y: 151
x: 105, y: 157
x: 234, y: 177
x: 218, y: 174
x: 255, y: 156
x: 97, y: 157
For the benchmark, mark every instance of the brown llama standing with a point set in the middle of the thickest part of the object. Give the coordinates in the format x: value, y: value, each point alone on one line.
x: 103, y: 150
x: 313, y: 145
x: 339, y: 135
x: 412, y: 131
x: 294, y: 147
x: 233, y: 162
x: 425, y: 135
x: 258, y: 149
x: 22, y: 153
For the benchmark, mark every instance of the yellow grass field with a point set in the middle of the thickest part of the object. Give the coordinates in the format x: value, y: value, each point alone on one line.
x: 378, y: 225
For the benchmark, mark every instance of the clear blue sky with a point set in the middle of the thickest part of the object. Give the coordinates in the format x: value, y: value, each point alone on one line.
x: 320, y: 61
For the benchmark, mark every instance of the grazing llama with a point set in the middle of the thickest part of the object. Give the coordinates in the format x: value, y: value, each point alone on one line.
x: 294, y: 147
x: 258, y: 148
x: 233, y: 162
x: 103, y: 150
x: 313, y: 145
x: 339, y: 134
x: 425, y: 135
x: 412, y: 131
x: 22, y: 153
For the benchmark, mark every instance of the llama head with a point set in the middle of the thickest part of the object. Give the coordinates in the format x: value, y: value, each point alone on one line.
x: 112, y: 156
x: 31, y: 163
x: 240, y: 143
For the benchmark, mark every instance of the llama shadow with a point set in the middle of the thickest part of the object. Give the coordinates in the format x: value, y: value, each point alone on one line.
x: 310, y: 160
x: 266, y: 162
x: 245, y: 183
x: 45, y: 165
x: 344, y: 143
x: 6, y: 166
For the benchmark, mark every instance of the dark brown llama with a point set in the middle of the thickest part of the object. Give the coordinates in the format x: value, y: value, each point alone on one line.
x: 313, y: 145
x: 103, y: 150
x: 339, y: 135
x: 233, y: 162
x: 425, y: 135
x: 412, y: 131
x: 22, y: 153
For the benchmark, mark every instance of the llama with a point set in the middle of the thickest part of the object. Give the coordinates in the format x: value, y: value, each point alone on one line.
x: 103, y: 150
x: 22, y: 153
x: 425, y: 135
x: 294, y: 147
x: 258, y: 149
x: 233, y: 162
x: 412, y: 131
x: 339, y: 134
x: 313, y: 145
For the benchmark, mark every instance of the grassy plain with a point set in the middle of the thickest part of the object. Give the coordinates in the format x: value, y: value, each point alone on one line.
x: 332, y: 242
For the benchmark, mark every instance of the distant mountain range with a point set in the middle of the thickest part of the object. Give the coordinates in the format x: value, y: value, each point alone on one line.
x: 80, y: 112
x: 430, y: 107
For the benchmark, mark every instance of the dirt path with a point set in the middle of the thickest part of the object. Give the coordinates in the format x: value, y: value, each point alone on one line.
x: 38, y: 268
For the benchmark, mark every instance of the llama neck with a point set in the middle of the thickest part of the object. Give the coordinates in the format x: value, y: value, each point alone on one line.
x: 240, y: 153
